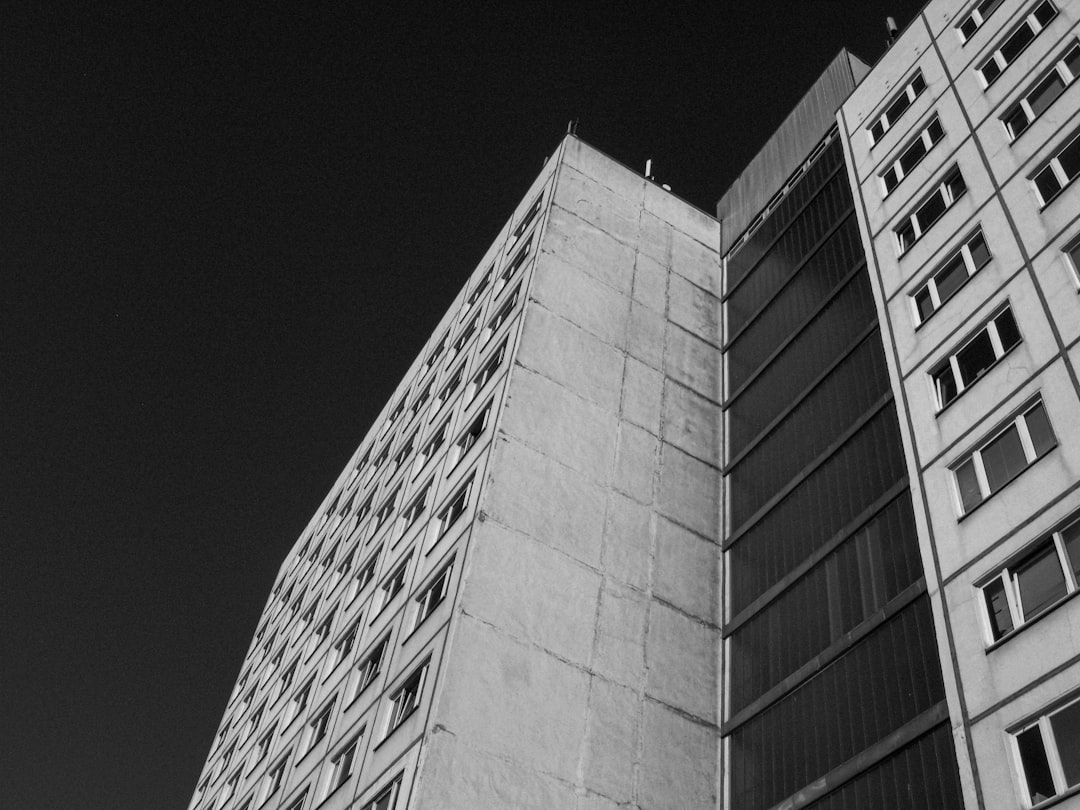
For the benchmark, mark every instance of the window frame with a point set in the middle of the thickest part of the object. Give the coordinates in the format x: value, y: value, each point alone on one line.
x: 370, y: 666
x: 341, y: 769
x: 389, y: 795
x: 1029, y: 22
x: 427, y: 600
x: 1043, y: 722
x: 527, y: 219
x: 487, y: 371
x: 501, y: 316
x: 1053, y: 165
x: 1059, y: 68
x: 925, y: 138
x: 909, y: 91
x: 398, y: 575
x: 515, y: 264
x: 470, y: 436
x: 317, y: 728
x: 365, y: 574
x: 978, y: 15
x: 949, y: 194
x: 951, y: 361
x: 454, y: 508
x: 966, y: 255
x: 412, y: 689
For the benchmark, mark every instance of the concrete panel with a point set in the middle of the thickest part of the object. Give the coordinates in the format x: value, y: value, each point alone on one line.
x: 678, y: 767
x: 560, y: 424
x: 582, y: 300
x: 628, y: 542
x: 692, y: 362
x: 611, y: 740
x: 506, y: 698
x: 545, y: 500
x: 571, y: 357
x: 685, y: 573
x: 681, y: 215
x: 455, y: 776
x: 646, y: 339
x: 594, y: 252
x: 694, y: 261
x: 643, y: 395
x: 695, y: 309
x: 607, y: 172
x: 691, y: 423
x: 532, y: 592
x: 620, y: 635
x: 689, y: 491
x: 599, y: 207
x: 681, y: 655
x: 650, y: 283
x: 636, y: 462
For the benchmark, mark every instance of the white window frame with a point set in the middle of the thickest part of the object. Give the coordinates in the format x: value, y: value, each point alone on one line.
x: 385, y: 799
x: 298, y: 802
x: 1058, y: 172
x: 394, y: 582
x: 926, y: 139
x: 369, y: 667
x: 1050, y: 747
x: 948, y: 192
x: 416, y: 507
x: 1018, y: 422
x: 912, y: 89
x: 364, y: 572
x: 438, y: 350
x: 318, y: 727
x: 455, y: 508
x: 1060, y: 68
x: 433, y: 444
x: 1008, y: 579
x: 461, y: 340
x: 978, y: 16
x: 501, y: 316
x: 346, y: 643
x: 952, y: 360
x: 450, y: 387
x: 342, y: 765
x: 964, y: 252
x: 526, y: 220
x: 997, y: 58
x: 406, y: 699
x: 471, y: 435
x: 514, y: 265
x: 481, y: 285
x: 275, y: 777
x: 433, y: 595
x: 487, y: 371
x: 387, y: 509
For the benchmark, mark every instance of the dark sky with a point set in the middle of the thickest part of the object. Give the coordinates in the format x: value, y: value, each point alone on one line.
x: 224, y: 234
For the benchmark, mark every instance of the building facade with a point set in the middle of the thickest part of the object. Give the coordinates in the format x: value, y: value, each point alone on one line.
x: 776, y: 509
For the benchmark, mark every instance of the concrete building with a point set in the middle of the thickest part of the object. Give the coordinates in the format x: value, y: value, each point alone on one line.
x: 509, y: 597
x: 777, y: 509
x: 960, y: 146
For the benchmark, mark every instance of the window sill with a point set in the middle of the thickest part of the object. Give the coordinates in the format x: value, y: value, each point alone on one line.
x: 1034, y: 620
x: 400, y: 723
x: 982, y: 375
x: 422, y: 622
x: 330, y: 795
x: 1068, y: 794
x: 1002, y: 488
x: 360, y: 693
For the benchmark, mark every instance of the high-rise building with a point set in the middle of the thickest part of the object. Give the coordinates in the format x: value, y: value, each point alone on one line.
x: 776, y: 509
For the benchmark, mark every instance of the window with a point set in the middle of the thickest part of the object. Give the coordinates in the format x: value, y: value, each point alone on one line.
x: 230, y: 788
x: 502, y: 316
x: 451, y: 386
x: 914, y: 152
x: 463, y: 338
x: 275, y: 777
x: 474, y: 296
x: 1015, y: 43
x: 387, y: 509
x: 287, y: 678
x: 228, y: 755
x: 395, y: 414
x: 908, y: 93
x: 345, y: 644
x: 384, y: 454
x: 433, y: 595
x: 262, y: 748
x: 222, y: 734
x: 472, y: 433
x: 1046, y: 573
x: 254, y: 720
x: 417, y: 507
x: 422, y: 397
x: 305, y: 621
x: 530, y: 215
x: 434, y: 443
x: 406, y: 699
x: 1043, y: 93
x: 438, y: 350
x: 296, y: 605
x: 365, y: 574
x: 487, y: 371
x: 394, y: 583
x: 341, y: 766
x: 405, y: 451
x: 1072, y: 252
x: 365, y: 509
x: 329, y: 558
x: 973, y: 21
x: 1048, y: 750
x: 300, y: 699
x: 347, y: 509
x: 298, y: 802
x: 455, y: 509
x: 950, y: 276
x: 515, y: 264
x: 318, y: 727
x: 247, y: 700
x: 343, y: 567
x: 1059, y: 172
x: 370, y: 667
x: 322, y: 632
x: 1016, y: 446
x: 387, y: 798
x: 955, y: 374
x: 948, y: 191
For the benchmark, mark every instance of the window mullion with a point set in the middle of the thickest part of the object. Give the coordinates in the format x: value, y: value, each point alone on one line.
x: 980, y: 473
x: 1025, y: 438
x: 1052, y: 757
x: 1063, y: 559
x: 1011, y: 598
x: 958, y: 378
x: 995, y: 339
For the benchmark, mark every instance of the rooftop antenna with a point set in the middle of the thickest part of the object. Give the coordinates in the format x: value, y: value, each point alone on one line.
x: 893, y: 29
x: 571, y: 126
x: 648, y: 170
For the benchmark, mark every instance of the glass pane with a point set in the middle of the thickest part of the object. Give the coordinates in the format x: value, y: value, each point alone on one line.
x: 931, y: 210
x: 1045, y: 93
x: 1040, y: 782
x: 1072, y: 61
x: 1047, y: 184
x: 986, y: 7
x: 935, y: 131
x: 967, y: 28
x: 944, y: 385
x: 1007, y: 331
x: 876, y: 131
x: 1038, y: 425
x: 1003, y: 459
x: 1071, y: 538
x: 998, y: 606
x: 906, y: 236
x: 890, y: 179
x: 896, y: 109
x: 980, y: 253
x: 1070, y: 159
x: 990, y: 70
x: 1040, y: 582
x: 1045, y: 13
x: 924, y: 304
x: 912, y: 155
x: 968, y: 483
x: 918, y: 85
x: 976, y: 357
x: 1017, y: 42
x: 955, y: 185
x: 1016, y: 121
x: 1066, y: 725
x: 950, y: 278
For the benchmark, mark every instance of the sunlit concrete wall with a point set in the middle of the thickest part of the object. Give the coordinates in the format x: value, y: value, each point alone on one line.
x: 580, y: 669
